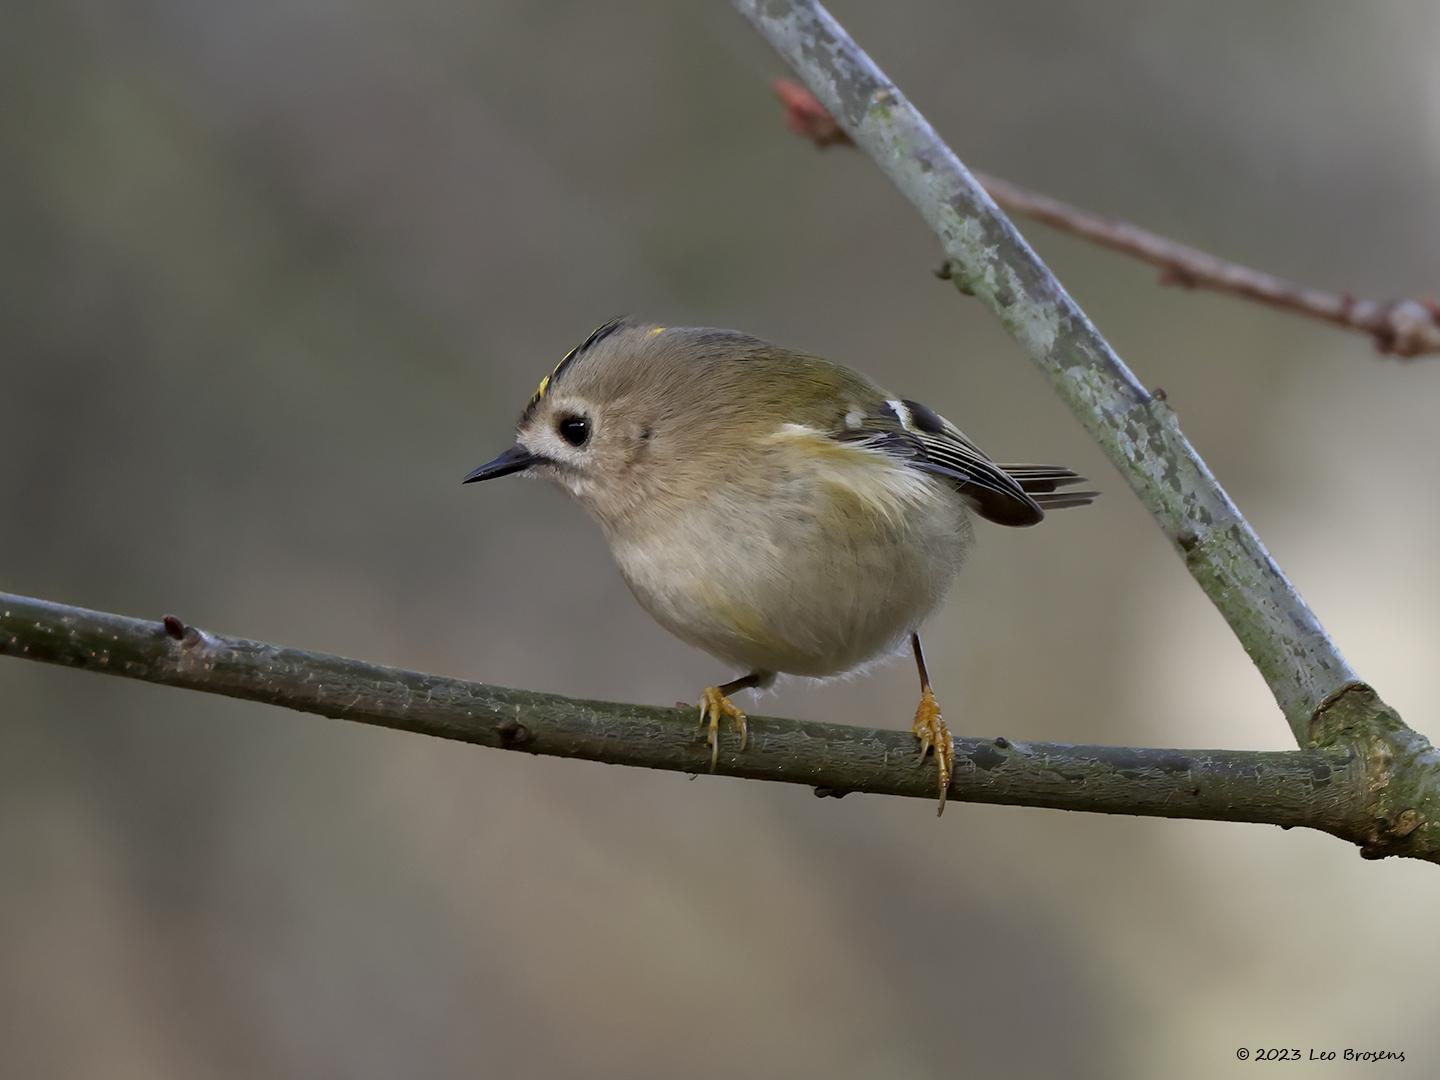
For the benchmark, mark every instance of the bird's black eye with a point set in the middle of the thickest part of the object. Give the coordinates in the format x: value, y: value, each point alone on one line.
x: 575, y: 430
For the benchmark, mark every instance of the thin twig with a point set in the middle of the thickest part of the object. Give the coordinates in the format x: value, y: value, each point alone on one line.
x: 1318, y: 789
x: 1405, y: 328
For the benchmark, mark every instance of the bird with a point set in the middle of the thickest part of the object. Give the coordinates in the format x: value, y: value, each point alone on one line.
x: 780, y: 512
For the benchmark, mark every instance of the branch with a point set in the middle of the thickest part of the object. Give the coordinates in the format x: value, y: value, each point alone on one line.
x: 1317, y: 789
x: 1324, y: 702
x: 1406, y: 328
x: 990, y: 260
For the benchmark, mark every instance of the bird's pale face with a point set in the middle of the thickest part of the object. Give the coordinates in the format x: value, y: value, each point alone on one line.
x: 596, y: 450
x: 608, y: 424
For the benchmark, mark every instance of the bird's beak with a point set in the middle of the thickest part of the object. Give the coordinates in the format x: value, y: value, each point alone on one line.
x: 511, y: 461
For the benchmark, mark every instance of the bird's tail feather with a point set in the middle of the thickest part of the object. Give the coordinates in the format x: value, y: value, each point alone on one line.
x: 1041, y: 483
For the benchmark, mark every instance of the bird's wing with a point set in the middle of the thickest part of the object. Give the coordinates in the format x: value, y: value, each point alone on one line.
x: 925, y: 440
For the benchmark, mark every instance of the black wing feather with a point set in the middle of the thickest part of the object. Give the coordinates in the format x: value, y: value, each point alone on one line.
x: 1014, y: 495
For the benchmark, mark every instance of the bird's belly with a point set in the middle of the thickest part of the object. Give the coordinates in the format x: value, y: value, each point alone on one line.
x: 808, y: 586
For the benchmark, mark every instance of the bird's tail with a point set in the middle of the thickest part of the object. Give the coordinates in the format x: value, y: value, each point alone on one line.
x: 1042, y: 483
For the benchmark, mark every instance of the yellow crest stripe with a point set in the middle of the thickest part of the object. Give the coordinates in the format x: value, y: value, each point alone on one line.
x: 601, y: 331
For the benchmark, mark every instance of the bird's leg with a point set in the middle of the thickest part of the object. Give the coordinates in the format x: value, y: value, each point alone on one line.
x: 715, y: 703
x: 929, y: 727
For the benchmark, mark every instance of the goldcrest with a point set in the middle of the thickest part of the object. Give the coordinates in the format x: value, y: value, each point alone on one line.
x: 778, y: 511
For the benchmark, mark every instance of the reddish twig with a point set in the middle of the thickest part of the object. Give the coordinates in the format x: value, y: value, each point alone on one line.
x: 806, y: 117
x: 1398, y: 327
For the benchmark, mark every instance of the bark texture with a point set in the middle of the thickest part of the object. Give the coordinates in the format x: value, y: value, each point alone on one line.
x: 1325, y: 789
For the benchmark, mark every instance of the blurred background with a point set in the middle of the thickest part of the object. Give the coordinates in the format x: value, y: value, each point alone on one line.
x: 276, y: 275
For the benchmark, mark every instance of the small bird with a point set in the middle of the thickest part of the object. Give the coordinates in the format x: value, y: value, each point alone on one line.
x: 778, y: 511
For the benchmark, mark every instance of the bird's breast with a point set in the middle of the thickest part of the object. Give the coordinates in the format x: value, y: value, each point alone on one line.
x: 806, y: 564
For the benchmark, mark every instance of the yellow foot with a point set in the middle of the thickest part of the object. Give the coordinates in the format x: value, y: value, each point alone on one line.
x: 713, y: 705
x: 930, y: 729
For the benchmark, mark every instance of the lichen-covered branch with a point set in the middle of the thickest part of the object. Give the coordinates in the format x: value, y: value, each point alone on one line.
x: 1318, y: 789
x: 1324, y: 702
x: 990, y: 260
x: 1406, y: 328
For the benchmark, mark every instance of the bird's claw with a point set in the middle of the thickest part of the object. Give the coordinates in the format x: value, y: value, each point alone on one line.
x: 714, y: 705
x: 930, y: 729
